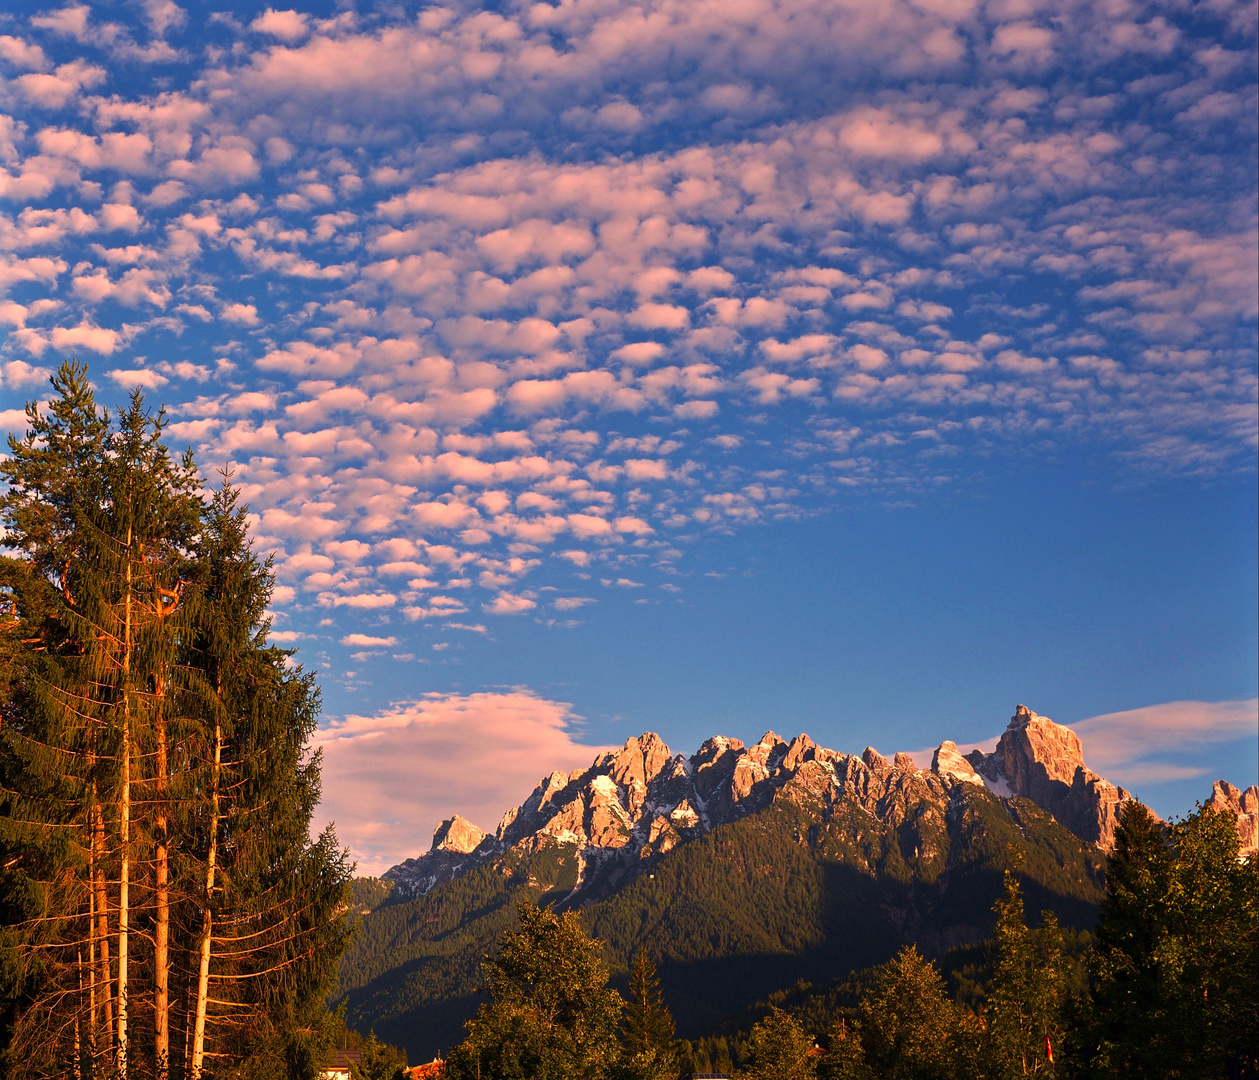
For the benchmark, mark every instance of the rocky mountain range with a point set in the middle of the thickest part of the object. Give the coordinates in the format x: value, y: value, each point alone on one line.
x: 746, y: 870
x: 642, y: 801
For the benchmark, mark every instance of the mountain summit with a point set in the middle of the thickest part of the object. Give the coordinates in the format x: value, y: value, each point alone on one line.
x: 742, y: 870
x: 642, y: 800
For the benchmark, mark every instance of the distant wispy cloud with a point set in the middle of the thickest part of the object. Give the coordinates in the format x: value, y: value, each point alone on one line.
x: 1133, y: 747
x: 1139, y: 747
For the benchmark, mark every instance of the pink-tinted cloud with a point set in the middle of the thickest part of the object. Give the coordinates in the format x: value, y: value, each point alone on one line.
x: 1153, y: 744
x: 390, y: 778
x: 1132, y: 747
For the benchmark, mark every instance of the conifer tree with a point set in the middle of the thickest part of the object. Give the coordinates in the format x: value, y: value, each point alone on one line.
x: 647, y: 1027
x: 164, y: 901
x: 112, y: 530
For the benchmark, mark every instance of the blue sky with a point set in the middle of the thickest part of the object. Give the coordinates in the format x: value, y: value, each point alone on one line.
x: 610, y: 365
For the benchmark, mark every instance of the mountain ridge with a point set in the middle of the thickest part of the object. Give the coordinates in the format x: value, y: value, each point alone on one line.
x: 642, y: 800
x: 743, y: 870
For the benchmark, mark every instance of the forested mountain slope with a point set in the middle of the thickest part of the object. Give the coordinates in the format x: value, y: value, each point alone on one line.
x: 740, y: 870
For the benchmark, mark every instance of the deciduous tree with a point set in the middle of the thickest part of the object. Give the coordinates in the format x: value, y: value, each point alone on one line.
x: 551, y: 1014
x: 1029, y: 990
x: 1174, y: 982
x: 778, y: 1049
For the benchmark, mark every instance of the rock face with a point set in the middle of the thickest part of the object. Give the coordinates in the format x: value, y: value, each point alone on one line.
x: 454, y: 840
x: 642, y: 801
x: 948, y: 763
x: 1227, y: 799
x: 1044, y: 762
x: 457, y: 835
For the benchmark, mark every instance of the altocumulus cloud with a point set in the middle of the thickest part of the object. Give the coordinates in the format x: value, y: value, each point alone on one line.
x: 477, y: 296
x: 389, y: 779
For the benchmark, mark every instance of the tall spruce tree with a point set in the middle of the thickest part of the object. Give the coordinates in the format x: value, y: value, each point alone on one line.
x: 647, y: 1027
x: 266, y: 926
x: 113, y: 530
x: 158, y: 880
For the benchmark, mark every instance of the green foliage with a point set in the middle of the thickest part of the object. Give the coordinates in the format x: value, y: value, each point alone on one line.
x: 845, y: 1056
x: 778, y: 1049
x: 647, y: 1028
x: 708, y: 1054
x: 551, y: 1014
x: 1029, y: 991
x: 909, y: 1028
x: 368, y: 893
x: 380, y: 1061
x: 1175, y: 978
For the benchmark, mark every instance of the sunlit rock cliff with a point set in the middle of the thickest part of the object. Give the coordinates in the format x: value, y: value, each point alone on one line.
x: 643, y: 800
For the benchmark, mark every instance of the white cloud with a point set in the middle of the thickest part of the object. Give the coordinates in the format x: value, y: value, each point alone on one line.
x: 23, y: 55
x: 506, y: 603
x: 368, y: 640
x: 287, y: 25
x: 144, y: 377
x: 243, y: 314
x: 390, y: 779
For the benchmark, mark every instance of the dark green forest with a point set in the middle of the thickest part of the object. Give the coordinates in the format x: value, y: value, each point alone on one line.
x: 1164, y: 986
x: 730, y: 917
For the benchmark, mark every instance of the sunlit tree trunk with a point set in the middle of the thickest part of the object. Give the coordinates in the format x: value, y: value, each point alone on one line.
x: 106, y: 979
x: 124, y: 823
x: 203, y: 969
x: 161, y: 930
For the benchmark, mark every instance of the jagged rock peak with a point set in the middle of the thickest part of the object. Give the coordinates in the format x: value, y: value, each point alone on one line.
x: 948, y: 763
x: 640, y: 760
x: 457, y: 834
x: 640, y: 801
x: 1043, y: 761
x: 1227, y: 798
x: 873, y: 759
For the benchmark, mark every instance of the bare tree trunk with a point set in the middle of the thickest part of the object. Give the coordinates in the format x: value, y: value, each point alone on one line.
x: 102, y: 919
x: 161, y: 931
x: 78, y: 1034
x: 91, y: 953
x: 203, y: 971
x: 92, y: 1015
x: 124, y: 826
